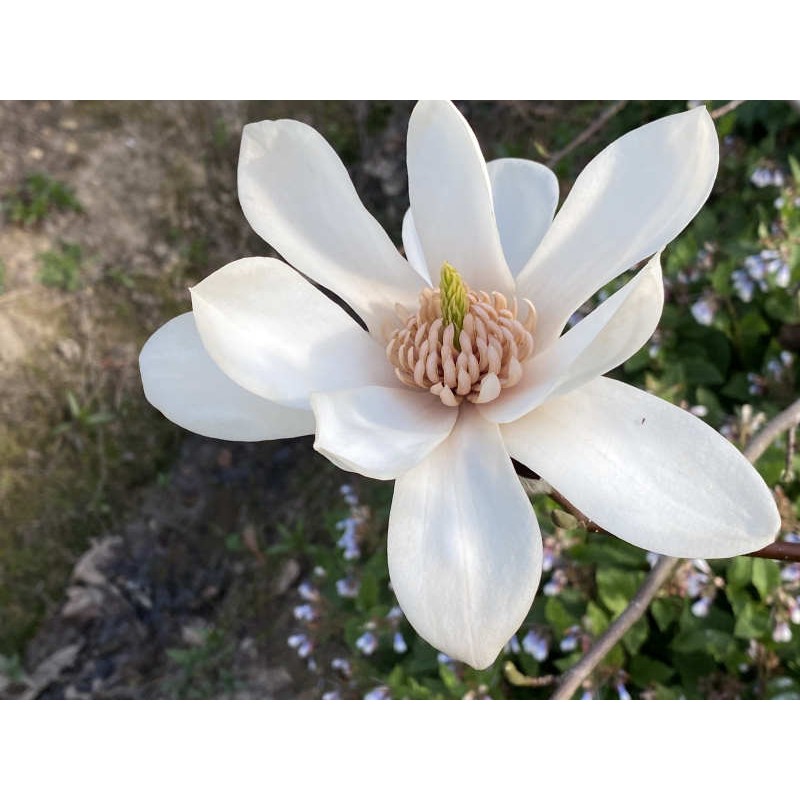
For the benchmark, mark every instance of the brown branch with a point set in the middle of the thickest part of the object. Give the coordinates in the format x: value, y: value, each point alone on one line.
x: 588, y: 132
x: 779, y: 551
x: 791, y: 450
x: 726, y: 109
x: 787, y: 419
x: 574, y: 677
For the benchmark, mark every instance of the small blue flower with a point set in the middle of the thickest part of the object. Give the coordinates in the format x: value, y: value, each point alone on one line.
x: 308, y: 592
x: 535, y: 645
x: 702, y: 312
x: 701, y: 607
x: 305, y: 612
x: 378, y: 693
x: 782, y: 632
x: 367, y: 643
x: 743, y: 285
x: 342, y: 665
x: 347, y: 587
x: 783, y: 276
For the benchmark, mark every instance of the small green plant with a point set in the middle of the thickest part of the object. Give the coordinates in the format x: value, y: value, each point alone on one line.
x: 36, y: 197
x: 203, y: 669
x: 81, y: 417
x: 61, y: 268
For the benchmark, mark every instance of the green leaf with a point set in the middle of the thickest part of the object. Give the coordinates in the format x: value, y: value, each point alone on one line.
x: 693, y: 666
x: 566, y: 662
x: 450, y: 681
x: 557, y: 615
x: 766, y: 576
x: 636, y: 636
x: 740, y: 571
x: 665, y: 611
x: 74, y: 407
x: 637, y: 361
x: 367, y: 593
x: 701, y: 371
x: 616, y: 587
x: 752, y: 622
x: 738, y: 597
x: 794, y: 165
x: 612, y: 552
x: 596, y: 620
x: 738, y: 388
x: 716, y: 643
x: 645, y: 670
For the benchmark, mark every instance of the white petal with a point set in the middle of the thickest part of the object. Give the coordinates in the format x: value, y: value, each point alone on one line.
x: 525, y: 196
x: 296, y: 194
x: 413, y: 248
x: 604, y: 339
x: 465, y: 551
x: 378, y: 432
x: 186, y: 386
x: 647, y: 471
x: 277, y: 336
x: 628, y: 203
x: 451, y: 198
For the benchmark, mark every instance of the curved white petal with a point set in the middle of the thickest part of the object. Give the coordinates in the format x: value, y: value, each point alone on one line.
x: 181, y: 380
x: 413, y: 248
x: 629, y: 202
x: 451, y: 198
x: 296, y: 194
x: 604, y: 339
x: 647, y: 471
x: 465, y: 551
x: 272, y: 332
x: 379, y: 432
x: 525, y: 196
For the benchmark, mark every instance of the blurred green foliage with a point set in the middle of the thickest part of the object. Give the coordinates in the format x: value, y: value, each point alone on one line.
x: 37, y: 196
x: 61, y: 268
x: 726, y: 349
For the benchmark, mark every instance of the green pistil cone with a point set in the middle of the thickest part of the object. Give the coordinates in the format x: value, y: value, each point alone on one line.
x: 455, y: 302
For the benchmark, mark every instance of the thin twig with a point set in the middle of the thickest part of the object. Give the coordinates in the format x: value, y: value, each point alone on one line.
x: 726, y: 109
x: 778, y: 551
x: 788, y: 418
x: 574, y: 677
x: 791, y: 451
x: 587, y: 132
x: 517, y: 678
x: 663, y: 568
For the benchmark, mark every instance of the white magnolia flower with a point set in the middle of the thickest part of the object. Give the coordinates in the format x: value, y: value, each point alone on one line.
x: 265, y: 355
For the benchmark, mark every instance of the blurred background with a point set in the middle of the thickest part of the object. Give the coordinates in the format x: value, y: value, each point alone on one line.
x: 141, y: 561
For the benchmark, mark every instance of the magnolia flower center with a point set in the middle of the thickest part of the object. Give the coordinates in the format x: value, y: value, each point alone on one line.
x: 462, y: 344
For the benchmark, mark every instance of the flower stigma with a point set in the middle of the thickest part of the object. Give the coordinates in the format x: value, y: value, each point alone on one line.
x: 454, y: 301
x: 462, y: 344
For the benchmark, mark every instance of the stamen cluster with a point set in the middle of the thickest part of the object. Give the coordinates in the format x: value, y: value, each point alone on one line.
x: 485, y: 358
